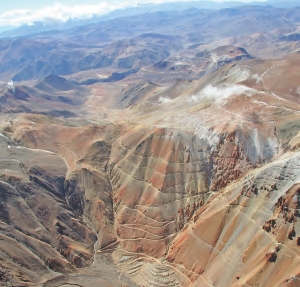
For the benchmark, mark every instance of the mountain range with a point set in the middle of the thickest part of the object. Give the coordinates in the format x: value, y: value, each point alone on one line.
x: 160, y: 149
x: 37, y: 27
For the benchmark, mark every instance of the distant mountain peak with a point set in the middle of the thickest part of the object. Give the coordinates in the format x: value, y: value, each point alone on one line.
x: 55, y: 82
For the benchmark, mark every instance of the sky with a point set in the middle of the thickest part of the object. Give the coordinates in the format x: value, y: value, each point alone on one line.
x: 20, y: 12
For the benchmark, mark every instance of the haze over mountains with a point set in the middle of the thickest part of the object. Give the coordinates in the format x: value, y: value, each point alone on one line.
x: 34, y: 26
x: 156, y: 149
x: 141, y: 42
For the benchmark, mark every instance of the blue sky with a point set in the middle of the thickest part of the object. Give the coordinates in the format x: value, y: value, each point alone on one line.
x: 20, y: 12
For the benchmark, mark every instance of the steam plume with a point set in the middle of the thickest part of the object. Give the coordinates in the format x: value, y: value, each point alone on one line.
x: 11, y: 85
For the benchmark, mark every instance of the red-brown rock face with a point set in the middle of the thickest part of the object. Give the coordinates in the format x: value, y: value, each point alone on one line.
x: 201, y: 189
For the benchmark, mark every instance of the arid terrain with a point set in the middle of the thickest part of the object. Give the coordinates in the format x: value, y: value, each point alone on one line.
x: 158, y: 150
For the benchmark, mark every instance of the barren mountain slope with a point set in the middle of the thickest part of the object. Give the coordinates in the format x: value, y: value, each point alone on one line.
x: 193, y: 184
x: 157, y: 150
x: 54, y: 96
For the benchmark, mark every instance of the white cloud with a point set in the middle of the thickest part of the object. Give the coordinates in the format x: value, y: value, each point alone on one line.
x: 57, y: 12
x: 256, y: 78
x: 61, y: 12
x: 221, y: 93
x: 217, y: 94
x: 164, y: 100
